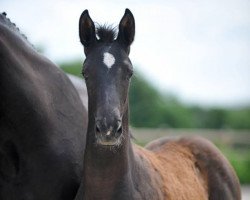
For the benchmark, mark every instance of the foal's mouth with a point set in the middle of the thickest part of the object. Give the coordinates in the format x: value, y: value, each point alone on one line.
x: 108, y: 143
x: 102, y: 141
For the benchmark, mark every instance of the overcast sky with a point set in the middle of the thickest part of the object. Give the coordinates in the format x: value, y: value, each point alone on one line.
x: 196, y: 49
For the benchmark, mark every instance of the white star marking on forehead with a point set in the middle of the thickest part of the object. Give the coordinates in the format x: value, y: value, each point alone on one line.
x: 108, y: 59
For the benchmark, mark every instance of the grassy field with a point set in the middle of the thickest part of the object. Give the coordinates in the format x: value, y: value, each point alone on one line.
x: 235, y: 145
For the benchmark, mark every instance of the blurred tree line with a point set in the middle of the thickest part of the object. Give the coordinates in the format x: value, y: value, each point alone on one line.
x: 151, y: 108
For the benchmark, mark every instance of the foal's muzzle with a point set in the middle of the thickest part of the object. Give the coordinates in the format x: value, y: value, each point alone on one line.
x: 108, y: 132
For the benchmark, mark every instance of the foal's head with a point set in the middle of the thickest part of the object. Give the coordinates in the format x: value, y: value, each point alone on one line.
x: 107, y: 71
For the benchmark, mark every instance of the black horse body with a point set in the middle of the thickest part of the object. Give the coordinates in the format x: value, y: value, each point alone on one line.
x: 42, y: 124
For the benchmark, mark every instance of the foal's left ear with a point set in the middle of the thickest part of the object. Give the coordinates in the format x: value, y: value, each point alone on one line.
x: 126, y: 29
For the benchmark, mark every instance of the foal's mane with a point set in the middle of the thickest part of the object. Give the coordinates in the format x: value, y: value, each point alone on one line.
x: 12, y: 26
x: 106, y: 33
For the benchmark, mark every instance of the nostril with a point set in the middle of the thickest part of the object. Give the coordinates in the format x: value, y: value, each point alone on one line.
x: 119, y: 129
x: 97, y: 129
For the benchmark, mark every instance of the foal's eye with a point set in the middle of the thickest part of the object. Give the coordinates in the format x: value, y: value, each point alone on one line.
x: 85, y: 75
x: 129, y: 73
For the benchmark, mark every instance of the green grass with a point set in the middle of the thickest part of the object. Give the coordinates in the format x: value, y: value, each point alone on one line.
x: 240, y: 160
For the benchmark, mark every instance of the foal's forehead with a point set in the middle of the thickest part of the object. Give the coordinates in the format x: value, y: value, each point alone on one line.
x: 109, y: 56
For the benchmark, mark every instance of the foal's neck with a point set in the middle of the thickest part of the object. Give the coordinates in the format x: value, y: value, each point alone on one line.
x: 107, y: 168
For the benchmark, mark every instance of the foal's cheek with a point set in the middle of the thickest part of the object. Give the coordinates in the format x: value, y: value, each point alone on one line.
x: 124, y: 95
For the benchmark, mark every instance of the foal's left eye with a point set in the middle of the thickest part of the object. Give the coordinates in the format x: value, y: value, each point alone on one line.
x: 129, y: 73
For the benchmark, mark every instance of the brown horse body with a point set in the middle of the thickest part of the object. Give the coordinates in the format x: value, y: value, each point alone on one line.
x: 191, y: 168
x: 179, y: 177
x: 114, y: 168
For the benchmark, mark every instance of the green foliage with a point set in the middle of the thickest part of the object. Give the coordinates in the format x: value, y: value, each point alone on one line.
x: 149, y: 108
x: 74, y: 68
x: 240, y: 160
x: 238, y: 119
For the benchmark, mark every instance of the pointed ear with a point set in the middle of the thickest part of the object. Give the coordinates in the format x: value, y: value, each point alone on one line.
x: 126, y: 29
x: 87, y: 30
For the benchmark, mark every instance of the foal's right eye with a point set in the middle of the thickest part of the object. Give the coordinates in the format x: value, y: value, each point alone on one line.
x: 85, y: 75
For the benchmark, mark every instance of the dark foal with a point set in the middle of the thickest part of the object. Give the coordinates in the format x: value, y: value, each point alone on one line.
x: 42, y: 124
x: 114, y: 168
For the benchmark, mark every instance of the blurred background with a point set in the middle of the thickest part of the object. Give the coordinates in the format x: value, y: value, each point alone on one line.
x: 191, y: 61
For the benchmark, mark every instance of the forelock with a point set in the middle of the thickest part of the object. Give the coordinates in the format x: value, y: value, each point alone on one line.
x: 106, y: 33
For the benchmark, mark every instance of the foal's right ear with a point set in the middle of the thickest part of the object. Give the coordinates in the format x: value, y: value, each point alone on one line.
x: 126, y: 32
x: 87, y: 30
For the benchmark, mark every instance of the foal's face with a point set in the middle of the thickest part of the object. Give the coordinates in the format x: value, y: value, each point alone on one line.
x: 107, y: 71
